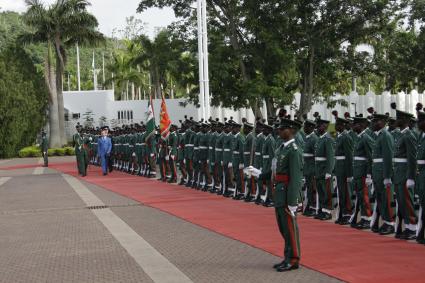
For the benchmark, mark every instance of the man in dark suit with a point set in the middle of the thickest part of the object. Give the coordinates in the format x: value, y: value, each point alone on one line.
x: 104, y: 148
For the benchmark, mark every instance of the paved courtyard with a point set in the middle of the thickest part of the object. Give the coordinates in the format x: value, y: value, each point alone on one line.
x: 56, y: 228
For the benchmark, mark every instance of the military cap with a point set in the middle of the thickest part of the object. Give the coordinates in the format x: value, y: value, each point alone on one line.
x: 342, y: 120
x: 321, y: 121
x: 310, y: 122
x: 377, y: 116
x: 291, y: 124
x: 403, y: 115
x: 267, y: 127
x: 248, y: 125
x: 360, y: 119
x: 105, y: 128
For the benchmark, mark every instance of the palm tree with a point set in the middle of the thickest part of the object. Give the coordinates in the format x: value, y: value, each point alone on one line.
x: 60, y: 26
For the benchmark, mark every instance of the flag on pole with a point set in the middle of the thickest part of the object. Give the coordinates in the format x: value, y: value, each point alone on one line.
x: 150, y: 119
x: 165, y: 122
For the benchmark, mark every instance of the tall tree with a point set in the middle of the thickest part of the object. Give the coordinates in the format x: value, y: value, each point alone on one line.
x: 61, y: 25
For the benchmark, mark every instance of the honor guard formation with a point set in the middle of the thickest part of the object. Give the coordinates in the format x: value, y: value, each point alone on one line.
x: 369, y: 174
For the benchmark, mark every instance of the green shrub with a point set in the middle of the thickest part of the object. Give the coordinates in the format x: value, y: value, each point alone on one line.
x: 51, y: 152
x: 60, y: 151
x: 30, y: 151
x: 70, y: 151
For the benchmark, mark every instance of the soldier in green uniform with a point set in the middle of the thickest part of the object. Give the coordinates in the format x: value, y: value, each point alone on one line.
x: 204, y: 143
x: 44, y: 148
x: 267, y: 152
x: 420, y: 179
x: 287, y: 195
x: 309, y: 168
x: 382, y: 173
x: 172, y: 148
x: 227, y: 160
x: 362, y: 174
x: 238, y: 160
x: 78, y: 146
x: 248, y: 159
x: 180, y: 152
x: 188, y: 152
x: 150, y: 140
x: 162, y: 159
x: 212, y: 165
x: 404, y: 177
x: 218, y: 168
x: 195, y: 158
x: 324, y: 165
x: 258, y: 159
x: 343, y: 170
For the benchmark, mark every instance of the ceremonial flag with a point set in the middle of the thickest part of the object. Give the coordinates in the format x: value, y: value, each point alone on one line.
x: 150, y: 119
x: 165, y: 122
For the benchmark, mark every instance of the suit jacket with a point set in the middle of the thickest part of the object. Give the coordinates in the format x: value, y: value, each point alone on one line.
x: 104, y: 146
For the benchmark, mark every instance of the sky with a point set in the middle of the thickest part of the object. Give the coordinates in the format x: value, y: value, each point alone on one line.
x: 111, y: 14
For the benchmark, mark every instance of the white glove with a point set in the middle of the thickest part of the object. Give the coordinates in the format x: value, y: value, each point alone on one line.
x: 173, y: 157
x: 90, y: 139
x: 230, y: 165
x: 134, y: 154
x: 387, y: 182
x: 45, y: 152
x: 410, y: 183
x: 241, y: 166
x: 222, y: 163
x: 37, y: 145
x: 369, y: 180
x: 152, y: 154
x: 167, y: 157
x: 349, y: 179
x: 208, y: 161
x: 328, y: 176
x: 79, y: 147
x: 247, y: 171
x: 293, y: 209
x: 255, y: 172
x: 184, y: 161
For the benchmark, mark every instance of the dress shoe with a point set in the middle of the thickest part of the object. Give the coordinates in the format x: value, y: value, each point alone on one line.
x: 181, y: 183
x: 386, y: 229
x: 326, y: 216
x: 338, y: 221
x: 375, y: 228
x: 363, y: 224
x: 309, y: 212
x: 345, y: 220
x: 420, y: 241
x: 277, y: 265
x: 287, y: 267
x: 408, y: 235
x: 319, y: 216
x: 104, y: 174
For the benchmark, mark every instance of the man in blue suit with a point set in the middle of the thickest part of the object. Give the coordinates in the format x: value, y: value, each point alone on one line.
x: 104, y: 147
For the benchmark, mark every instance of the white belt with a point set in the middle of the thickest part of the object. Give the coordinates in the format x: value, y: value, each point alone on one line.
x: 143, y: 143
x: 235, y: 152
x: 226, y: 149
x: 320, y: 158
x: 203, y: 147
x: 378, y: 160
x: 189, y: 145
x: 196, y: 148
x: 360, y: 158
x: 219, y: 149
x: 258, y: 153
x: 421, y: 162
x: 340, y: 157
x: 138, y: 144
x: 210, y: 147
x: 247, y: 152
x: 308, y: 155
x: 400, y: 160
x: 266, y: 156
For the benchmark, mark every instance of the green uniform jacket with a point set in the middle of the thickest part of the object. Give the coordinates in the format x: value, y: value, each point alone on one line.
x: 421, y: 167
x: 249, y: 140
x: 181, y: 149
x: 203, y: 146
x: 78, y: 142
x: 300, y: 139
x: 324, y: 155
x: 308, y: 152
x: 212, y: 138
x: 344, y: 155
x: 237, y: 149
x: 363, y: 155
x: 290, y: 163
x: 219, y: 148
x: 188, y: 144
x: 195, y: 139
x: 150, y: 145
x: 396, y: 134
x: 268, y: 152
x: 405, y: 148
x: 227, y: 147
x: 383, y: 151
x: 258, y: 160
x: 173, y: 143
x: 44, y: 144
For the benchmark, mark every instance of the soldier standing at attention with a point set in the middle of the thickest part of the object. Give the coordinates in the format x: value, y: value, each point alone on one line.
x: 172, y: 148
x: 44, y: 148
x: 248, y: 156
x: 404, y: 177
x: 309, y: 167
x: 212, y: 165
x: 180, y: 152
x: 237, y: 161
x: 343, y: 170
x: 287, y: 194
x: 362, y: 174
x: 324, y: 160
x: 205, y: 176
x: 421, y: 177
x: 227, y: 160
x: 258, y: 159
x: 382, y: 172
x: 218, y: 168
x: 78, y: 146
x: 267, y: 153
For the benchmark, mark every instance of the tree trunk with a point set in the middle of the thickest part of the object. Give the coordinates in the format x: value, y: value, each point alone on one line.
x: 61, y: 107
x: 307, y: 93
x: 49, y: 76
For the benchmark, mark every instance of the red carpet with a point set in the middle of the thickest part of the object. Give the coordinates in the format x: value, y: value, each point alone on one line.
x: 341, y: 252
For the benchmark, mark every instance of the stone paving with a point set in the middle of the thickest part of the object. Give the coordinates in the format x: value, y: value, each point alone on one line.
x: 48, y: 235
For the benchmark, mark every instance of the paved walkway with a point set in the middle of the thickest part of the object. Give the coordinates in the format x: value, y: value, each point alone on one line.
x: 55, y: 228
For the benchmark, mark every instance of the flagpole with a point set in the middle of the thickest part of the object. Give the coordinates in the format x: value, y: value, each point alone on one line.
x: 78, y: 68
x: 205, y: 59
x: 201, y: 62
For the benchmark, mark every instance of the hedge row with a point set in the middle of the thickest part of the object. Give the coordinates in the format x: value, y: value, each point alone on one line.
x: 35, y: 151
